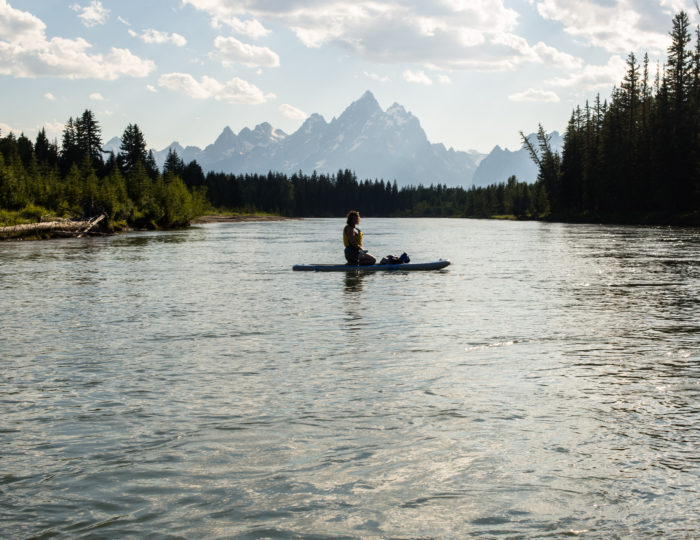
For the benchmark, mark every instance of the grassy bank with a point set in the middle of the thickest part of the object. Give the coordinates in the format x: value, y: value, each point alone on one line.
x: 29, y: 214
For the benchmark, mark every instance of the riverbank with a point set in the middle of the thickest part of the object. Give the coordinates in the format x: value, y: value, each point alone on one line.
x: 51, y: 229
x: 62, y: 228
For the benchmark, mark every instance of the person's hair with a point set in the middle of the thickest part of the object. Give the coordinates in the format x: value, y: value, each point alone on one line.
x: 352, y: 214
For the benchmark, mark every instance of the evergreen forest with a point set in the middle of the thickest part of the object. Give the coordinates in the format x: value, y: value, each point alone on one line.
x: 634, y: 159
x: 78, y: 180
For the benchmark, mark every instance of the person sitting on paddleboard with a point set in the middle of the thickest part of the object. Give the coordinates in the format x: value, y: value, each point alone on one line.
x: 352, y: 238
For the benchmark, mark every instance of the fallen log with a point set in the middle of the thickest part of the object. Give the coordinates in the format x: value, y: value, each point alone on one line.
x: 62, y: 227
x: 91, y: 223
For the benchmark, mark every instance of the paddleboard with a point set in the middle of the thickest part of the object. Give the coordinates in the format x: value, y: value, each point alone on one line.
x: 433, y: 265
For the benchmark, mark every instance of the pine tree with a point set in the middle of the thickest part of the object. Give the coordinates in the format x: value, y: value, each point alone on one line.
x: 631, y: 90
x: 193, y: 175
x: 45, y: 151
x: 88, y: 138
x: 173, y: 166
x: 132, y: 150
x: 549, y: 165
x: 151, y: 165
x: 70, y: 152
x: 680, y: 68
x: 680, y: 143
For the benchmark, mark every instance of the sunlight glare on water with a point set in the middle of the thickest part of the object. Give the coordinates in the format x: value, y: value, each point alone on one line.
x: 189, y: 384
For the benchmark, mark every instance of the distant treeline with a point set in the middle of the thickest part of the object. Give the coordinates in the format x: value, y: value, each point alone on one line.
x: 321, y: 195
x: 636, y: 158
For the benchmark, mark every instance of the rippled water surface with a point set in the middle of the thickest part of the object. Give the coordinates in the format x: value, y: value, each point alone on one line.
x: 189, y: 384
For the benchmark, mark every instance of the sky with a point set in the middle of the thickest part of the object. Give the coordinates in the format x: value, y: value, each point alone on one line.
x: 474, y: 72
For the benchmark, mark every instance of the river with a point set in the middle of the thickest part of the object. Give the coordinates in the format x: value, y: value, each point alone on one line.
x: 188, y: 384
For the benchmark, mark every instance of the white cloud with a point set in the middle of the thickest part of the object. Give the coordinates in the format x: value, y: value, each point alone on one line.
x: 674, y: 6
x: 235, y: 91
x: 418, y: 77
x: 151, y: 88
x: 94, y: 14
x: 123, y: 21
x: 292, y: 112
x: 450, y: 34
x: 594, y: 77
x: 444, y: 79
x: 50, y: 96
x: 620, y: 26
x: 96, y: 96
x: 551, y: 56
x: 53, y: 129
x: 533, y: 94
x: 155, y: 36
x: 231, y: 50
x: 19, y: 27
x: 250, y: 28
x: 26, y: 52
x: 378, y: 78
x: 6, y: 129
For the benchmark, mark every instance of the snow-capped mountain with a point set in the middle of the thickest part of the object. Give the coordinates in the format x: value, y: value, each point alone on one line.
x: 374, y: 143
x: 113, y: 145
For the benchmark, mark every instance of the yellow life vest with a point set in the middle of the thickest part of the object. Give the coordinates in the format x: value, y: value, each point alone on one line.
x: 346, y: 240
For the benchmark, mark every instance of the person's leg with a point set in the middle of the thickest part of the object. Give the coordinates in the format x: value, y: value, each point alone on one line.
x: 351, y: 256
x: 366, y: 259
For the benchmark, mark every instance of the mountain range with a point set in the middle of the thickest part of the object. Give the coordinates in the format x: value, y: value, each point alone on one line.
x: 374, y: 143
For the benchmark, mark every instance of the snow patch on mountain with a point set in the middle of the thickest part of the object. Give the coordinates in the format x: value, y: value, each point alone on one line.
x: 374, y: 143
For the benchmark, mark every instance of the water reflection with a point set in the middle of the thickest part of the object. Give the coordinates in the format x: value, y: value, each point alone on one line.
x: 353, y: 302
x: 354, y: 282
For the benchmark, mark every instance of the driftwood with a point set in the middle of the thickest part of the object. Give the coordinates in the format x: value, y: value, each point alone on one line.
x: 91, y: 223
x: 63, y: 227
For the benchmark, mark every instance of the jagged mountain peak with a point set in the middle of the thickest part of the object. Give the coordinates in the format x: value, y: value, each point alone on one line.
x: 312, y: 122
x: 374, y: 143
x: 265, y: 128
x: 398, y: 116
x: 368, y: 97
x: 261, y: 132
x: 362, y: 109
x: 396, y: 108
x: 226, y: 137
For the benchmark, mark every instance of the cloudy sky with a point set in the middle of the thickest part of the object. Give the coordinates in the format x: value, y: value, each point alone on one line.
x: 474, y: 72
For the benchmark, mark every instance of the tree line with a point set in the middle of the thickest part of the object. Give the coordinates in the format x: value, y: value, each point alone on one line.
x: 636, y: 158
x: 328, y: 195
x: 80, y: 180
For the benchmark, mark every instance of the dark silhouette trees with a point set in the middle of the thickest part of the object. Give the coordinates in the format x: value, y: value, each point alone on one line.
x: 638, y: 158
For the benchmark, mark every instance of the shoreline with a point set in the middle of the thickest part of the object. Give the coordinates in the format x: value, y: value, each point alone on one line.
x: 67, y: 228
